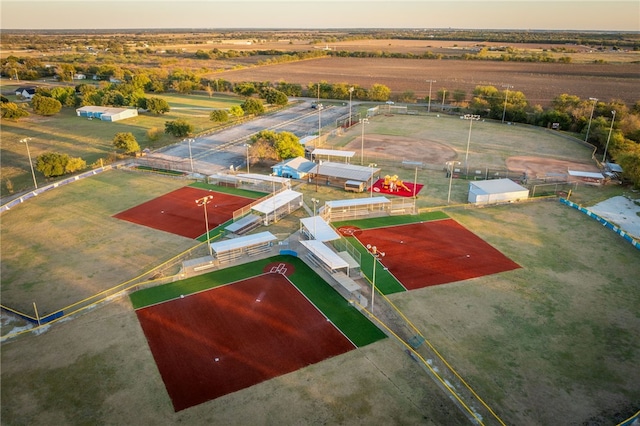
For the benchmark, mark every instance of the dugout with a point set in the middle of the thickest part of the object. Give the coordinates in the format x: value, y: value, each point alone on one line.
x: 496, y: 191
x: 319, y: 154
x: 249, y: 245
x: 356, y: 207
x: 278, y: 205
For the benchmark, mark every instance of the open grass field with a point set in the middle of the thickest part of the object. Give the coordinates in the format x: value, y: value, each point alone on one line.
x: 552, y: 342
x: 92, y: 140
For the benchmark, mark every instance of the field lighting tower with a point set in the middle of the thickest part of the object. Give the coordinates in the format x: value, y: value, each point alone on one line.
x: 450, y: 165
x: 604, y: 157
x: 203, y: 202
x: 429, y: 105
x: 33, y: 174
x: 350, y: 95
x: 593, y: 107
x: 190, y: 156
x: 376, y: 253
x: 506, y: 95
x: 471, y: 118
x: 246, y: 145
x: 362, y: 121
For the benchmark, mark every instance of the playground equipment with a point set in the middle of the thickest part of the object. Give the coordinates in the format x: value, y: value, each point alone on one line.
x: 393, y: 184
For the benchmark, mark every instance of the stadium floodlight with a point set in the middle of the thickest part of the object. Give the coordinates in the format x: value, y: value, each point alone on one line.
x: 315, y: 202
x: 376, y: 253
x: 372, y: 165
x: 471, y: 118
x: 430, y: 83
x: 350, y: 94
x: 203, y: 202
x: 604, y: 157
x: 33, y: 174
x: 506, y: 95
x: 450, y: 165
x: 593, y: 107
x: 362, y: 121
x: 190, y: 156
x: 246, y: 145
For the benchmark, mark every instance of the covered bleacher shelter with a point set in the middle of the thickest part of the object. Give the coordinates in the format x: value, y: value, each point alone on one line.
x: 355, y: 207
x: 316, y: 228
x: 329, y: 259
x: 319, y: 154
x: 278, y: 205
x: 233, y: 248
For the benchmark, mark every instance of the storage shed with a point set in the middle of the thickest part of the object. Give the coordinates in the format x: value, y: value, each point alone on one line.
x: 496, y: 191
x: 295, y: 168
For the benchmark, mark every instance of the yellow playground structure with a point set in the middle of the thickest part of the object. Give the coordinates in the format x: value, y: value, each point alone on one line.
x: 393, y: 184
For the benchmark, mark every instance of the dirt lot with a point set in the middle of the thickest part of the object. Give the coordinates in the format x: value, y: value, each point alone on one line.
x: 540, y: 82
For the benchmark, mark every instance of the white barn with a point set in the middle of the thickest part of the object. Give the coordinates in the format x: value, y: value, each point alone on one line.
x: 496, y: 191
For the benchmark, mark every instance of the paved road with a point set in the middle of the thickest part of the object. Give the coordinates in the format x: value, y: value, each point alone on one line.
x: 218, y: 151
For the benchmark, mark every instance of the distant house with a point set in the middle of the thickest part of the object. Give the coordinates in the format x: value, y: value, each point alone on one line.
x: 294, y: 168
x: 79, y: 76
x: 106, y: 113
x: 26, y: 92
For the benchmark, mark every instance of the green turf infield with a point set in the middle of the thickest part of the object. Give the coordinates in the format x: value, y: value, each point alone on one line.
x: 338, y: 310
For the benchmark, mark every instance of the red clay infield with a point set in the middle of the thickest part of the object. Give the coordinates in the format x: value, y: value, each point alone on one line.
x: 435, y: 252
x: 178, y: 213
x: 229, y: 338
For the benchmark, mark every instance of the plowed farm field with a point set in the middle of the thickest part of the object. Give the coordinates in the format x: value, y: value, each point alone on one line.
x: 540, y: 82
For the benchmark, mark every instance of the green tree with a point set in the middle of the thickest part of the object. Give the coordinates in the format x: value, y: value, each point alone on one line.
x: 157, y: 105
x: 179, y: 128
x: 379, y: 93
x: 75, y: 164
x: 65, y: 95
x: 629, y: 160
x: 52, y: 164
x: 11, y: 111
x: 219, y: 116
x: 245, y: 89
x: 287, y: 145
x: 126, y: 142
x: 236, y: 111
x: 43, y: 105
x: 275, y: 97
x: 253, y: 106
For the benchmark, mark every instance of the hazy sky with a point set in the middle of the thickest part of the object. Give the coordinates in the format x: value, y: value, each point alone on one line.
x: 220, y: 14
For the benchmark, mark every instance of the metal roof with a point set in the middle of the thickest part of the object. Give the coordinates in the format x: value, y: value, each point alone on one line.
x: 353, y: 202
x: 275, y: 202
x: 320, y: 229
x: 333, y: 152
x: 497, y: 186
x: 325, y: 254
x: 241, y: 242
x: 344, y: 171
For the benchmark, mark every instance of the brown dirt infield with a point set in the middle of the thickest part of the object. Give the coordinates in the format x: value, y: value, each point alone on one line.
x: 541, y: 167
x: 435, y: 252
x: 178, y: 213
x: 216, y: 342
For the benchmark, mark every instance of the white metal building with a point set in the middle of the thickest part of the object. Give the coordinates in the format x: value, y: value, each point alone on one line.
x: 496, y: 191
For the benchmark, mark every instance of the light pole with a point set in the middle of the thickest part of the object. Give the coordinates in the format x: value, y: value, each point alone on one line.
x: 609, y: 137
x: 450, y: 165
x: 376, y: 254
x: 319, y: 116
x: 471, y: 118
x: 429, y: 106
x: 362, y: 121
x: 33, y: 174
x: 372, y: 165
x: 444, y: 94
x: 203, y: 202
x: 190, y: 156
x: 506, y: 95
x: 315, y: 202
x: 350, y: 94
x: 593, y: 107
x: 246, y: 145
